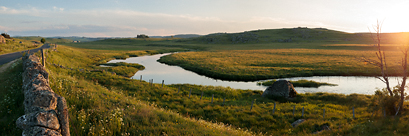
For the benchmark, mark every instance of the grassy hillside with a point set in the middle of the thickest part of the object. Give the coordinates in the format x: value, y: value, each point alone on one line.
x: 48, y: 40
x: 81, y: 39
x: 15, y: 44
x: 294, y: 35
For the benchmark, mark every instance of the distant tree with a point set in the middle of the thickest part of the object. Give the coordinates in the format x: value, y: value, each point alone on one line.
x: 5, y: 35
x: 142, y: 36
x: 42, y: 40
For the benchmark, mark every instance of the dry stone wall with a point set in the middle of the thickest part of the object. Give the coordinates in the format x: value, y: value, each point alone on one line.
x: 46, y: 113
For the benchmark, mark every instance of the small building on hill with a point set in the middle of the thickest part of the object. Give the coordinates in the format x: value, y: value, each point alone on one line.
x: 2, y: 39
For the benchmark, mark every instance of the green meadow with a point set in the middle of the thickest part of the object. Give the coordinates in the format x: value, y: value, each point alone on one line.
x: 104, y: 101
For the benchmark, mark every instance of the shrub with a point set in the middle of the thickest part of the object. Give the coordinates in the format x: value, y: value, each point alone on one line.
x: 5, y: 35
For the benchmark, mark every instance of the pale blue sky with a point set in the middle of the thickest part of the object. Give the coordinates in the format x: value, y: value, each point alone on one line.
x: 127, y: 18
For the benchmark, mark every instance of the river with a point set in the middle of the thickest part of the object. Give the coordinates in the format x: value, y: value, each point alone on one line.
x: 177, y: 75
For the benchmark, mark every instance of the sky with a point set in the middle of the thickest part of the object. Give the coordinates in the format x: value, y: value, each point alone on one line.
x: 128, y: 18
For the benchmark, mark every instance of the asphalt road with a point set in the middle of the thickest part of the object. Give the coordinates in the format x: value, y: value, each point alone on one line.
x: 12, y: 56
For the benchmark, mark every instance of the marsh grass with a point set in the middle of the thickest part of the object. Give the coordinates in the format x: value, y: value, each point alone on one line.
x: 138, y: 66
x: 252, y: 65
x: 298, y: 83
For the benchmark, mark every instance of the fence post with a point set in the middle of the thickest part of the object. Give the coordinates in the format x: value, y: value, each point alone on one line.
x: 201, y: 96
x: 294, y: 110
x: 190, y: 92
x: 302, y: 115
x: 252, y: 104
x: 42, y: 56
x: 212, y: 98
x: 224, y: 100
x: 353, y: 113
x: 163, y: 81
x: 141, y: 78
x: 323, y: 116
x: 397, y: 111
x: 274, y: 109
x: 384, y: 112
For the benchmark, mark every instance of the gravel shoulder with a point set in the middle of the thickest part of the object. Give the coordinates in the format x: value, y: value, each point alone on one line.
x: 5, y: 66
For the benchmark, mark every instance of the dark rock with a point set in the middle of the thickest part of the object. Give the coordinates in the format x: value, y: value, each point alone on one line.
x: 46, y: 119
x: 40, y: 131
x: 281, y: 88
x: 322, y: 128
x: 298, y: 122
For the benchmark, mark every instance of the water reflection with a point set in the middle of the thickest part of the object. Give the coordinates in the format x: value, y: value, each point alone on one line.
x: 177, y: 75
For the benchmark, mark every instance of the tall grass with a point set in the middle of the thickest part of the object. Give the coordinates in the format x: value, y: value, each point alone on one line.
x: 298, y: 83
x: 11, y: 99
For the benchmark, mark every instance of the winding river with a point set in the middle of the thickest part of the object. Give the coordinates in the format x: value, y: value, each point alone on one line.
x: 177, y: 75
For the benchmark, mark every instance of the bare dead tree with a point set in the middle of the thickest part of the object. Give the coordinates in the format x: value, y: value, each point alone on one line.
x: 381, y: 63
x: 381, y: 57
x: 404, y: 65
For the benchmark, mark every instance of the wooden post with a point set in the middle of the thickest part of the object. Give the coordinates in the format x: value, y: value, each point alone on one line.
x: 302, y: 114
x: 384, y: 112
x: 274, y: 109
x: 141, y: 78
x: 42, y: 56
x: 294, y: 110
x: 353, y: 113
x: 212, y: 98
x: 190, y: 92
x: 252, y: 104
x: 224, y: 100
x: 323, y: 116
x: 397, y: 111
x: 201, y: 96
x: 163, y: 81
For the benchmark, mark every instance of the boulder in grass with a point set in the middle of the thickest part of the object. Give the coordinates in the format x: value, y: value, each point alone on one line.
x: 298, y: 122
x: 281, y: 88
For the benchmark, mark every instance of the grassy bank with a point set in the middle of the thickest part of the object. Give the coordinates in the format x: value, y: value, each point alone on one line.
x: 298, y: 83
x: 252, y: 65
x: 118, y: 105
